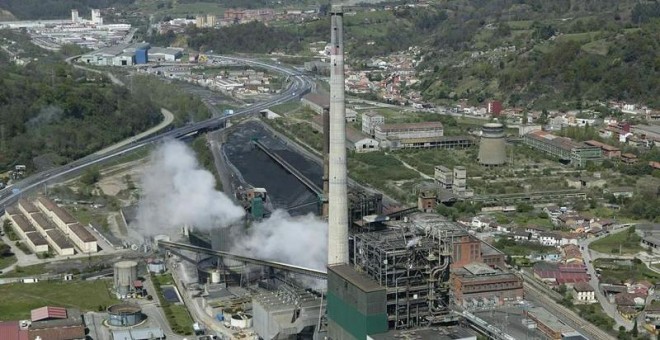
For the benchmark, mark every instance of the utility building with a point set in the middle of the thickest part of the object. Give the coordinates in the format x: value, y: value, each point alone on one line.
x: 565, y: 149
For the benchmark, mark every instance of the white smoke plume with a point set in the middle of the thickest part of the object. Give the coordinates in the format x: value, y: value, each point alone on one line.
x: 176, y: 191
x: 301, y: 241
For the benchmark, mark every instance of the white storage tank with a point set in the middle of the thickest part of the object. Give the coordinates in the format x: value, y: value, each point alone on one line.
x: 215, y: 276
x: 156, y: 266
x: 125, y: 273
x: 241, y: 320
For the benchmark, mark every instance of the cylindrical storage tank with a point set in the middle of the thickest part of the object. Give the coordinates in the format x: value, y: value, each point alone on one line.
x: 492, y: 148
x: 241, y: 320
x: 124, y: 315
x: 125, y: 274
x: 215, y: 276
x: 156, y: 266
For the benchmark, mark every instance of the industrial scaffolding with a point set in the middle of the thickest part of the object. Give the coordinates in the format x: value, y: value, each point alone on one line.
x: 413, y: 264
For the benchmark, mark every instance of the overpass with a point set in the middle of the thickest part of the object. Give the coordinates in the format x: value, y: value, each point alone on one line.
x: 299, y: 84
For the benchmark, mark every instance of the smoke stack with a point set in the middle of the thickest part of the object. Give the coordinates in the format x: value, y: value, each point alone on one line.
x: 326, y: 162
x: 338, y: 208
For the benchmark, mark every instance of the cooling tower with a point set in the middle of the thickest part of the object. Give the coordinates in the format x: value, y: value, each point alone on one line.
x: 338, y: 196
x: 492, y: 149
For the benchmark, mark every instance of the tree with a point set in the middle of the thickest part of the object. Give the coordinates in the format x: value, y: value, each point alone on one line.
x: 91, y: 176
x: 635, y: 331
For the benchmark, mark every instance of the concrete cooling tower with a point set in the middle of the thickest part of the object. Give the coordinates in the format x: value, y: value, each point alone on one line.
x: 492, y: 149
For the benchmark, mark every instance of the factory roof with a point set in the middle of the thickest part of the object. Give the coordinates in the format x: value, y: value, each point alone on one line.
x: 409, y: 126
x: 546, y: 318
x: 11, y: 330
x: 42, y: 221
x: 165, y: 50
x: 560, y: 142
x: 287, y: 298
x: 12, y: 210
x: 477, y: 268
x: 46, y: 202
x: 59, y: 239
x: 466, y: 276
x: 354, y: 135
x: 603, y: 146
x: 58, y: 211
x: 360, y: 280
x: 82, y: 233
x: 489, y: 250
x: 318, y: 99
x: 138, y: 333
x: 372, y: 114
x: 27, y: 205
x: 36, y: 238
x: 48, y: 312
x: 22, y: 223
x: 56, y: 317
x: 438, y: 333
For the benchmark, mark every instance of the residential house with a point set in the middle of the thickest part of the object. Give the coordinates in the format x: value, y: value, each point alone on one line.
x: 571, y: 253
x: 521, y: 236
x: 553, y: 213
x: 573, y: 221
x: 482, y: 222
x: 568, y: 238
x: 534, y: 232
x: 548, y: 257
x: 583, y: 293
x: 549, y: 239
x: 504, y: 229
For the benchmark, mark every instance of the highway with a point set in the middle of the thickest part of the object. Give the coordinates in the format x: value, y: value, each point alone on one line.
x: 298, y: 85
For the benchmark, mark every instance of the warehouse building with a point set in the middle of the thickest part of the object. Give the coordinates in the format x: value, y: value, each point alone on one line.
x: 548, y: 324
x: 477, y: 285
x: 56, y: 323
x: 59, y: 216
x: 41, y: 222
x: 82, y: 238
x: 59, y: 242
x: 565, y: 149
x: 316, y: 102
x: 21, y: 224
x: 408, y: 131
x: 370, y: 120
x: 36, y: 242
x: 26, y: 207
x: 131, y: 54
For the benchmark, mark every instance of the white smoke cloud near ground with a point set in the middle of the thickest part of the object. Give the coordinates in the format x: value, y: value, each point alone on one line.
x: 177, y: 191
x: 301, y: 241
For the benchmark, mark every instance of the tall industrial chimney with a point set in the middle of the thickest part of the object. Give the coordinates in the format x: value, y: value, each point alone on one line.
x: 338, y: 206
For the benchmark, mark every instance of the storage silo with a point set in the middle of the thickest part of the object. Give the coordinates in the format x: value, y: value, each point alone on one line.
x: 124, y: 315
x: 492, y: 149
x: 125, y: 274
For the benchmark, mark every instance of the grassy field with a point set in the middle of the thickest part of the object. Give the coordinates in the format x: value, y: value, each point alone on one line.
x: 285, y: 107
x: 177, y: 314
x: 617, y: 272
x: 626, y: 241
x: 6, y: 261
x: 18, y: 299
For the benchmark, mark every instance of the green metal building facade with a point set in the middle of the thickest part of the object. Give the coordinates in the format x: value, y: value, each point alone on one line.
x: 357, y: 305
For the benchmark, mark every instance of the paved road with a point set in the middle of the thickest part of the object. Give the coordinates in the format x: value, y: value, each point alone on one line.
x: 168, y: 118
x: 590, y: 255
x: 537, y: 293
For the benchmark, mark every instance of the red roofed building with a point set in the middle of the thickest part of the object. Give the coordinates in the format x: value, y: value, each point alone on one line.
x: 48, y: 313
x: 11, y: 330
x: 558, y: 274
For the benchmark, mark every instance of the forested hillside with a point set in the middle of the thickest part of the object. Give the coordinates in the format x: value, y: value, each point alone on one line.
x: 51, y: 114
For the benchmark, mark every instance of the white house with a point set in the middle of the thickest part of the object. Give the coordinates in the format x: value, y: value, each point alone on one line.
x: 481, y: 222
x: 504, y: 229
x: 583, y: 293
x: 549, y: 239
x: 568, y: 239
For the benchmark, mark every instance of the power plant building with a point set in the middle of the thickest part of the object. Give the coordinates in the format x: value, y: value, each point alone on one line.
x: 477, y: 285
x: 285, y: 313
x: 492, y: 149
x: 444, y: 176
x: 565, y: 149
